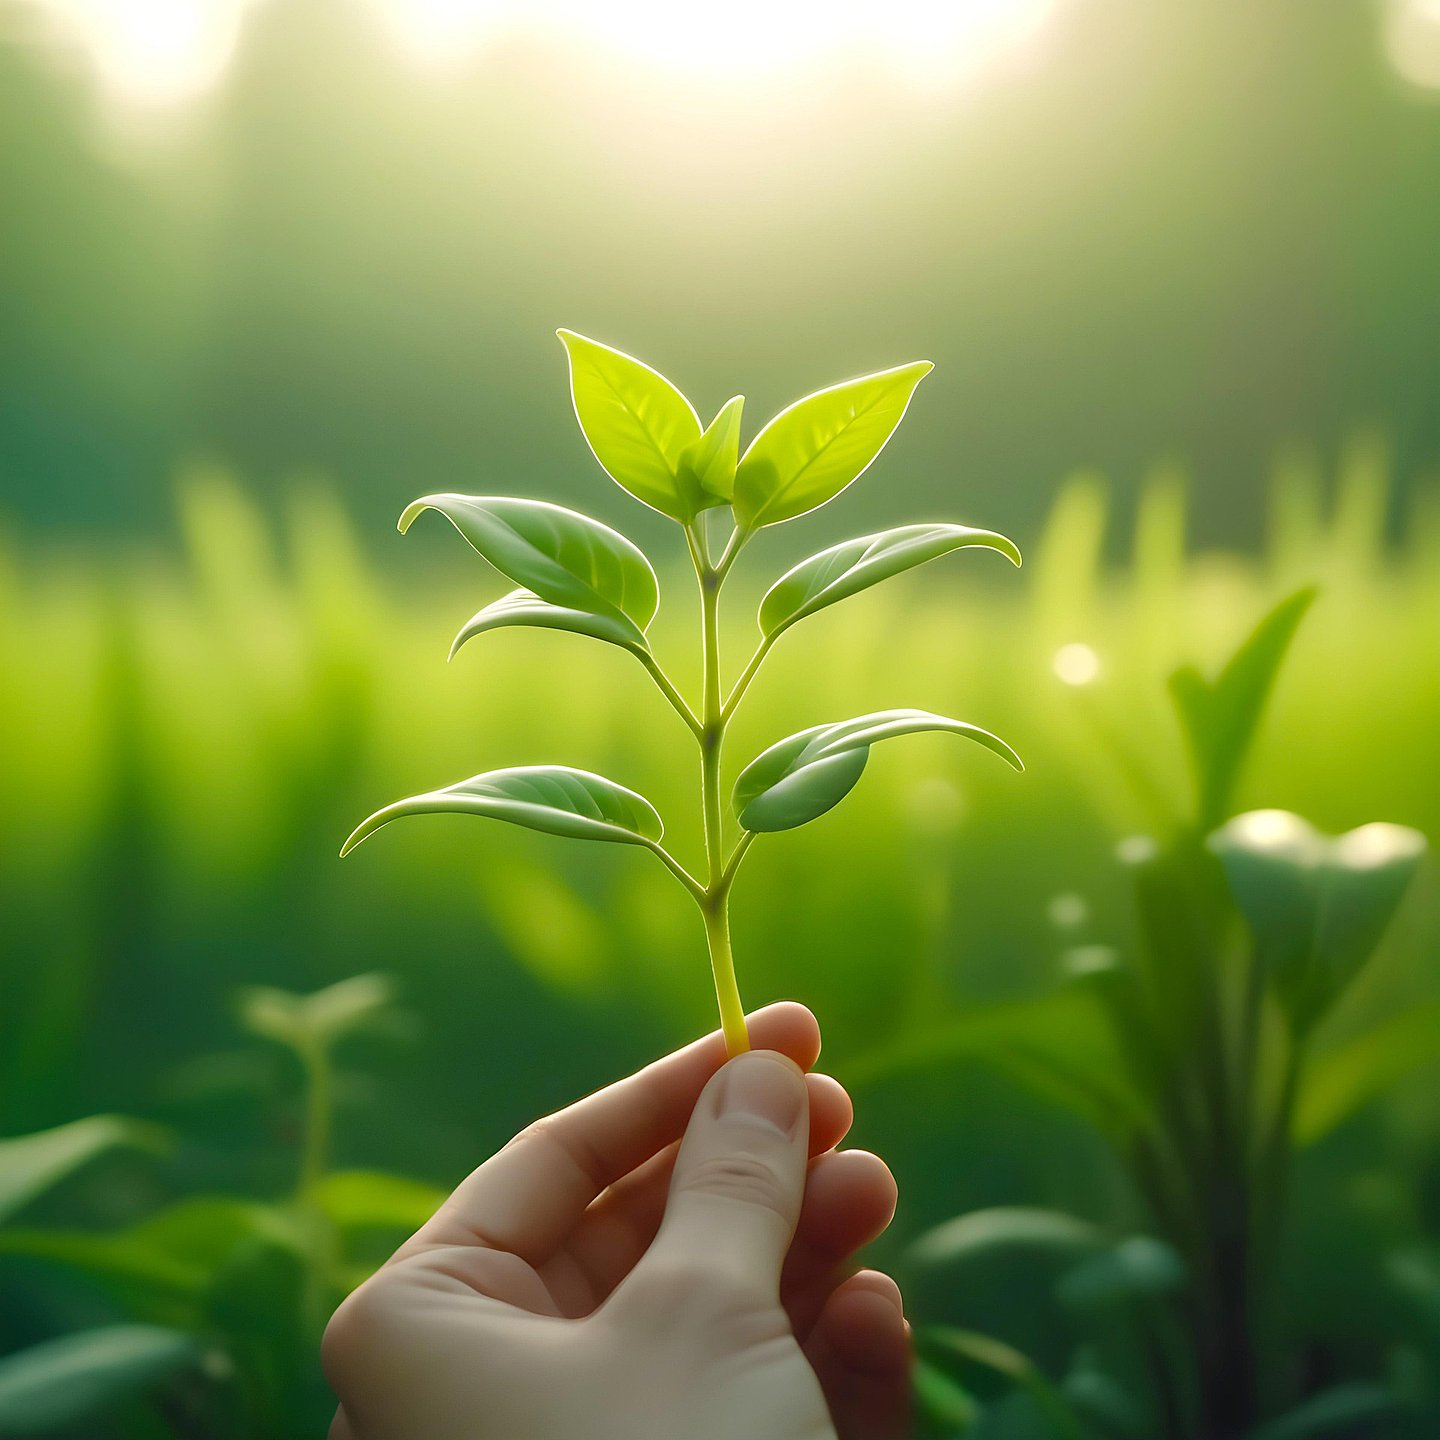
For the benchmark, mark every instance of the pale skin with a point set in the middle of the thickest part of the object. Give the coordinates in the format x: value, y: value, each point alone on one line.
x: 670, y: 1256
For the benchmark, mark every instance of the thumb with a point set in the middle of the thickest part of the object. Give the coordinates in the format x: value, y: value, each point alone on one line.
x: 739, y: 1177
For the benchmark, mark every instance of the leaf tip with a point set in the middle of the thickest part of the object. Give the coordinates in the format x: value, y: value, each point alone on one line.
x: 407, y: 516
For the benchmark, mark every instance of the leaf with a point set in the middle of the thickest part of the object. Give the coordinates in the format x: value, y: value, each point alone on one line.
x: 1021, y: 1227
x: 60, y: 1383
x: 944, y: 1402
x: 804, y: 775
x: 1138, y: 1267
x: 563, y: 556
x: 1334, y: 1412
x: 1004, y: 1360
x: 637, y: 424
x: 168, y: 1257
x: 1339, y: 1082
x: 552, y: 798
x: 854, y: 565
x: 1317, y: 905
x: 710, y: 461
x: 371, y: 1200
x: 1220, y: 717
x: 816, y: 447
x: 524, y: 607
x: 32, y: 1164
x: 322, y: 1018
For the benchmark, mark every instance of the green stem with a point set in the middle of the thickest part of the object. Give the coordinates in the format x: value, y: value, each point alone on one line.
x: 720, y: 869
x: 737, y: 692
x: 668, y: 690
x: 315, y: 1155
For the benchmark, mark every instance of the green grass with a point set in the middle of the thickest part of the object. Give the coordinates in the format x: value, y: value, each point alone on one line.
x: 185, y: 742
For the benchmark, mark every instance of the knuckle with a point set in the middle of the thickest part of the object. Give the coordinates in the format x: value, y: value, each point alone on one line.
x: 747, y: 1179
x: 687, y: 1291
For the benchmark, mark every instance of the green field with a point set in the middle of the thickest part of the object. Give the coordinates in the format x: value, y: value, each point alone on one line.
x: 187, y: 741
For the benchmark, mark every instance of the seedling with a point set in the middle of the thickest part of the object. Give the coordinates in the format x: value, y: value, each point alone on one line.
x: 579, y: 575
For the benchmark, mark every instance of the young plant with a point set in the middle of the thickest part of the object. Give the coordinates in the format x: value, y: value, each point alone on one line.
x: 579, y: 575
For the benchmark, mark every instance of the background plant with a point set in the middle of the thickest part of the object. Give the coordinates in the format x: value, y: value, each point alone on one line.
x: 183, y: 738
x: 579, y: 575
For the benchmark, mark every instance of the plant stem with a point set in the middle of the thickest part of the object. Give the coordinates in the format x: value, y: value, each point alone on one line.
x: 715, y: 906
x: 315, y: 1154
x: 668, y: 690
x: 737, y: 692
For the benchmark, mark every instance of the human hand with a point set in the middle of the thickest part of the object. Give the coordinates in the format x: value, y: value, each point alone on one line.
x: 597, y: 1278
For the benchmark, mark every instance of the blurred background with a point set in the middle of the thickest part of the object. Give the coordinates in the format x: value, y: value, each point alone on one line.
x: 270, y: 270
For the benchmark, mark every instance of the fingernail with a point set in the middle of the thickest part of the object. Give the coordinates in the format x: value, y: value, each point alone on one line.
x: 765, y: 1087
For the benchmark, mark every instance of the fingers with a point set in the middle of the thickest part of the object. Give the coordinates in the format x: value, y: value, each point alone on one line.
x: 849, y: 1200
x: 860, y: 1352
x: 528, y: 1198
x: 739, y: 1179
x: 619, y: 1227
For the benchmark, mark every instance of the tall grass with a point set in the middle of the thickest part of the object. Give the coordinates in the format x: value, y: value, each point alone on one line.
x: 184, y: 741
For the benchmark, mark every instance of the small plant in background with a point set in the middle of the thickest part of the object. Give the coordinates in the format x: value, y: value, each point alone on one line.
x: 579, y: 575
x: 1251, y: 929
x: 223, y: 1297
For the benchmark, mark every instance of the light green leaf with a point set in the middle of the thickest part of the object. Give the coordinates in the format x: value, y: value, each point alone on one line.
x: 552, y: 798
x: 323, y: 1017
x: 563, y: 556
x: 854, y: 565
x: 637, y: 425
x: 1317, y: 905
x: 1340, y: 1081
x: 1220, y: 717
x: 814, y: 448
x: 32, y: 1164
x: 370, y: 1199
x: 943, y: 1401
x: 164, y: 1263
x: 60, y: 1383
x: 806, y: 774
x: 1015, y: 1227
x: 710, y: 461
x: 1002, y: 1359
x: 524, y: 607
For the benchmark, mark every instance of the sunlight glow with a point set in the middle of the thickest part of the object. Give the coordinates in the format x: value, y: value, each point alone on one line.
x: 1412, y: 40
x: 153, y: 53
x: 1076, y: 664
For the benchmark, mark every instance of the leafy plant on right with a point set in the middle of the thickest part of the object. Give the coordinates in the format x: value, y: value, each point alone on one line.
x: 1252, y: 928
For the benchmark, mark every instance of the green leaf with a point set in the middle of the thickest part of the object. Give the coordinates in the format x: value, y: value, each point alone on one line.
x: 1220, y: 717
x: 806, y: 774
x: 1340, y: 1081
x: 60, y: 1383
x: 709, y: 462
x: 563, y: 556
x: 524, y: 607
x: 1317, y: 905
x: 637, y: 424
x: 1004, y: 1360
x: 552, y: 798
x: 814, y: 448
x: 322, y: 1018
x: 1334, y: 1412
x: 943, y: 1401
x: 32, y: 1164
x: 372, y: 1200
x: 1015, y: 1227
x: 1138, y: 1267
x: 854, y: 565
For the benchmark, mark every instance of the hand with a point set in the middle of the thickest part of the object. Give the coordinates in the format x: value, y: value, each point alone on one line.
x: 602, y: 1278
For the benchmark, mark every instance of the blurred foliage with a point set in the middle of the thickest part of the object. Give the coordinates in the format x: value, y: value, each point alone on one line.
x: 187, y: 743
